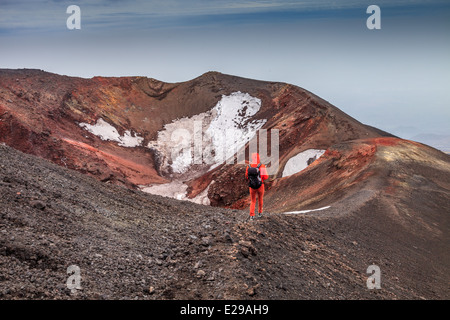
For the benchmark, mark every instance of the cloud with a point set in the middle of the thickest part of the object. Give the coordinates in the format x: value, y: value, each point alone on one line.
x: 50, y: 15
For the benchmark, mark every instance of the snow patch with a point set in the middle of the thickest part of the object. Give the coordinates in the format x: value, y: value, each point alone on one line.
x: 177, y: 190
x: 105, y: 131
x: 300, y: 161
x: 191, y: 145
x: 202, y: 197
x: 306, y: 211
x: 231, y: 127
x: 174, y: 142
x: 174, y: 189
x: 211, y: 137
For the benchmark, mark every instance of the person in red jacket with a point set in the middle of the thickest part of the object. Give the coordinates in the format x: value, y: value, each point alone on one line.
x: 256, y: 191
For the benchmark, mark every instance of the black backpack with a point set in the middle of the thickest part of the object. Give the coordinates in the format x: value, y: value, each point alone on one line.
x: 254, y: 177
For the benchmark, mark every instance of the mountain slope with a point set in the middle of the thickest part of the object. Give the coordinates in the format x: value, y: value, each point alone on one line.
x: 344, y: 196
x: 48, y: 115
x: 129, y: 244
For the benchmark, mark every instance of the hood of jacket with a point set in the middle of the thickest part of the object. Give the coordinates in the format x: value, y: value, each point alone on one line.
x: 255, y: 158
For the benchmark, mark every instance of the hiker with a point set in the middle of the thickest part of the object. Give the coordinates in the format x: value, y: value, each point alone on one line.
x: 256, y: 173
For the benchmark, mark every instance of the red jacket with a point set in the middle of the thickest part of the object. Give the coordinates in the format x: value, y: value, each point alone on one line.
x: 254, y: 164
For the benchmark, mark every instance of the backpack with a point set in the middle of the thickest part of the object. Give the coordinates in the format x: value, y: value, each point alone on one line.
x: 254, y: 177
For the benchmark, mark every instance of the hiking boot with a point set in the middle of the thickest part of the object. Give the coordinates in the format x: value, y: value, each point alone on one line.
x: 259, y: 214
x: 252, y: 218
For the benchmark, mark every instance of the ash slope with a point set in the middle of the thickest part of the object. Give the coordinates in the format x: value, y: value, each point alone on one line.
x: 130, y: 244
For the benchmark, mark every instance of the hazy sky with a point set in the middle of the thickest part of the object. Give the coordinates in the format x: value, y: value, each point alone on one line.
x: 398, y: 76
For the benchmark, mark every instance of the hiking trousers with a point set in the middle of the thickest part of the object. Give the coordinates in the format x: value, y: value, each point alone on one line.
x: 253, y: 193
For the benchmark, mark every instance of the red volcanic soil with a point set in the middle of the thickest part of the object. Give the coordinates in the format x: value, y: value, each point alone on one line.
x: 384, y: 200
x: 133, y: 245
x: 325, y: 180
x: 40, y: 114
x: 136, y: 168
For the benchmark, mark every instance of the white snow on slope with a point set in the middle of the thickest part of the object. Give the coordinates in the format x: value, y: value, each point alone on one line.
x: 177, y: 190
x: 209, y: 137
x: 231, y: 127
x: 300, y: 161
x: 174, y: 142
x: 306, y: 211
x: 106, y: 131
x: 174, y: 189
